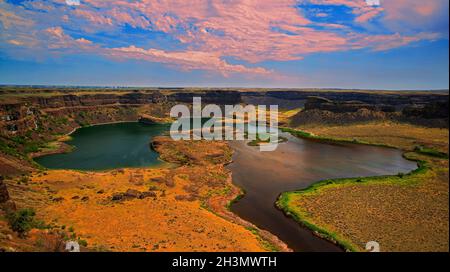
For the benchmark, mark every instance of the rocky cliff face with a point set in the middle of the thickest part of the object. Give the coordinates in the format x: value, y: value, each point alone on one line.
x: 32, y: 113
x: 208, y: 97
x: 375, y: 98
x: 96, y: 100
x: 432, y: 110
x: 320, y: 110
x: 320, y: 103
x: 62, y: 113
x: 28, y: 122
x: 397, y: 100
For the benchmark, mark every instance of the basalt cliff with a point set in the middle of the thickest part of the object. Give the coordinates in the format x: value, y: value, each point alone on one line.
x: 31, y: 118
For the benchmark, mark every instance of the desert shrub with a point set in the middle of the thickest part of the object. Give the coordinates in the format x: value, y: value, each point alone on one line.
x: 22, y: 221
x: 24, y: 180
x: 31, y: 147
x: 5, y: 148
x: 82, y: 243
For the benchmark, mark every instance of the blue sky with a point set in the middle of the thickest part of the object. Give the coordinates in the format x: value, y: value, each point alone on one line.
x: 287, y: 43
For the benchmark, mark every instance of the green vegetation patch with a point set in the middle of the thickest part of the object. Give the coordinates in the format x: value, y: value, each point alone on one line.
x: 430, y: 152
x: 307, y: 135
x: 286, y: 201
x: 23, y: 221
x: 258, y: 141
x: 264, y: 243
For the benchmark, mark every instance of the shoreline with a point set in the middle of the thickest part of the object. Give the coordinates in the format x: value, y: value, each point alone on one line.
x: 219, y: 206
x: 66, y: 148
x: 283, y: 201
x: 269, y: 241
x: 239, y: 193
x: 91, y: 125
x: 99, y: 124
x: 329, y: 140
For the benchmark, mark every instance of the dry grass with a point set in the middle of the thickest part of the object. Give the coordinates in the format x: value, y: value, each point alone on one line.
x: 402, y: 213
x: 403, y: 136
x: 285, y: 116
x: 175, y: 220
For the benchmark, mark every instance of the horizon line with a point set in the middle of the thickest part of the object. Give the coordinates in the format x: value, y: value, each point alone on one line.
x: 210, y: 87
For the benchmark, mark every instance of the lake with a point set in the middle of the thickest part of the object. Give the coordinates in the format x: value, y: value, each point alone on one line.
x: 295, y: 164
x: 109, y: 146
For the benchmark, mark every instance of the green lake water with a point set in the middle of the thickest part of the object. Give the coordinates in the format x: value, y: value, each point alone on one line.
x: 109, y: 146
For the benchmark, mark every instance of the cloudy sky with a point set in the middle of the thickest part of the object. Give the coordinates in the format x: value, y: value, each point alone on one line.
x: 398, y: 44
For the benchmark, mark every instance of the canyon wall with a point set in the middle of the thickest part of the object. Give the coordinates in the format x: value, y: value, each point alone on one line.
x: 30, y: 119
x: 320, y: 110
x: 31, y: 112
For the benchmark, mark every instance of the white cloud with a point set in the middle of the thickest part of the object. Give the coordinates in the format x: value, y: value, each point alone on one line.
x: 73, y: 2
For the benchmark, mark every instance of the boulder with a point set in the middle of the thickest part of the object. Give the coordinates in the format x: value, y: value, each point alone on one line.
x: 147, y: 194
x: 131, y: 193
x: 117, y: 197
x: 58, y: 199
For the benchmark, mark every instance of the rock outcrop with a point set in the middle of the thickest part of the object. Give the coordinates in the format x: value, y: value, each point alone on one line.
x: 4, y: 196
x: 220, y: 97
x: 148, y: 119
x: 397, y: 99
x: 29, y: 121
x: 320, y: 110
x: 320, y: 103
x: 430, y: 111
x: 132, y: 194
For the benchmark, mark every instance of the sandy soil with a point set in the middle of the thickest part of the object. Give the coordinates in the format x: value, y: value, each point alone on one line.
x: 185, y: 210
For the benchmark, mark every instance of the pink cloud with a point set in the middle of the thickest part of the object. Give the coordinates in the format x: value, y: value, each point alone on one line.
x: 386, y: 42
x: 246, y: 27
x: 368, y: 15
x: 209, y: 31
x: 57, y: 39
x: 9, y: 19
x: 402, y: 9
x: 93, y: 17
x: 415, y: 13
x: 187, y: 60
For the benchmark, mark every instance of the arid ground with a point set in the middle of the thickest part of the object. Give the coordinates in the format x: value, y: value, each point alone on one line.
x: 407, y: 212
x: 183, y: 206
x: 178, y: 208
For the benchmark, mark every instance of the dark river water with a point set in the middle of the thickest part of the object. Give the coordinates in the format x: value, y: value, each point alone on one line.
x: 295, y: 164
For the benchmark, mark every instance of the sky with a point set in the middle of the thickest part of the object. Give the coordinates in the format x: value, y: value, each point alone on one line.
x: 365, y: 44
